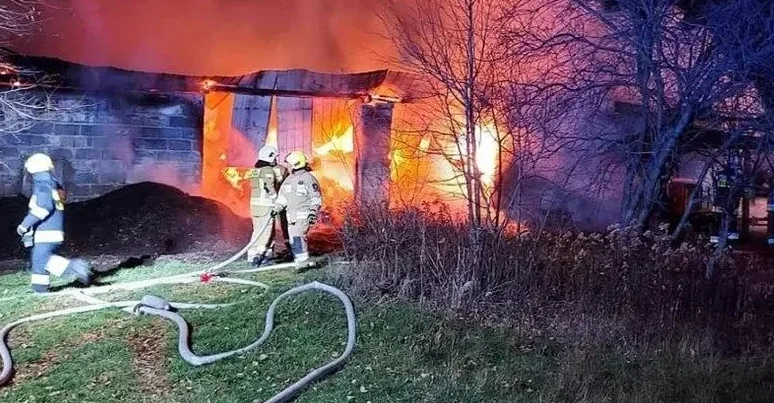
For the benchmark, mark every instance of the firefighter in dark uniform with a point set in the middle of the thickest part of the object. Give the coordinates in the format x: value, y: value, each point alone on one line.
x: 43, y: 227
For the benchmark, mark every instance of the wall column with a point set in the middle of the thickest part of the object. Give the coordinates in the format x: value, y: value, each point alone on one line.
x: 372, y: 145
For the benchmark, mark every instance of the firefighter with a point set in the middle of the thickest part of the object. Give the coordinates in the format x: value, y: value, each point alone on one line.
x: 300, y: 196
x: 282, y: 172
x: 43, y: 227
x: 265, y: 180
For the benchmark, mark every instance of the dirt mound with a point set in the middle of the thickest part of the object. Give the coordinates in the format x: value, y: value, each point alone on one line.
x: 150, y: 218
x: 12, y: 211
x: 143, y: 219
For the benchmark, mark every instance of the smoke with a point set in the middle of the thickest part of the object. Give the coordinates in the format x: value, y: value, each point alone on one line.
x: 151, y: 170
x: 224, y: 37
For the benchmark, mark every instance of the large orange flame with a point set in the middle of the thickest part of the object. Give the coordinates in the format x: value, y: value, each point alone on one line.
x: 219, y: 181
x: 333, y: 135
x: 424, y: 168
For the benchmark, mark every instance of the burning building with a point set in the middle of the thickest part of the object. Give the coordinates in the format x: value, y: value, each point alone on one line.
x: 109, y: 127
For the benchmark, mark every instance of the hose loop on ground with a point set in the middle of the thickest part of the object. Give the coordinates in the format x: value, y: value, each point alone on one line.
x: 147, y: 306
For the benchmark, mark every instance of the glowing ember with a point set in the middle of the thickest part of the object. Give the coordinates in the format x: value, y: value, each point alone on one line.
x: 208, y: 84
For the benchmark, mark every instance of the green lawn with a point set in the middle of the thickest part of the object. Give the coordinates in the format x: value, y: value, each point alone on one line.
x: 404, y: 354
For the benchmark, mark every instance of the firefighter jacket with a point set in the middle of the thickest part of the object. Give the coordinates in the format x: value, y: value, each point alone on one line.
x: 300, y: 194
x: 264, y: 183
x: 281, y: 172
x: 46, y: 209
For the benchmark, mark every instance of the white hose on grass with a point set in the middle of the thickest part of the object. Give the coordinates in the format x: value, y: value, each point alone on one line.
x: 150, y: 305
x: 190, y: 357
x: 157, y: 306
x: 5, y: 352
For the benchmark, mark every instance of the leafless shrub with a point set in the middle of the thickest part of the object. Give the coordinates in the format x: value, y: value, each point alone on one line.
x: 635, y: 288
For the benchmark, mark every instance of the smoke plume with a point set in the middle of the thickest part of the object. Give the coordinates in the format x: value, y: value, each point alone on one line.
x: 214, y: 36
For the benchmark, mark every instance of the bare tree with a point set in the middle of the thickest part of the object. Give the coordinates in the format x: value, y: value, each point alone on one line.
x: 482, y: 118
x: 453, y: 44
x: 22, y: 104
x: 647, y: 53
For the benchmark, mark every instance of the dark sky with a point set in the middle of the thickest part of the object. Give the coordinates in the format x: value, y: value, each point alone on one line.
x: 214, y: 36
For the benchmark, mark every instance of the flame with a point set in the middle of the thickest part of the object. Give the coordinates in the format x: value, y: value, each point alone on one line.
x: 421, y: 170
x: 234, y: 177
x: 219, y: 181
x: 344, y: 143
x: 333, y: 137
x: 487, y: 152
x: 424, y: 144
x: 427, y: 169
x: 271, y: 138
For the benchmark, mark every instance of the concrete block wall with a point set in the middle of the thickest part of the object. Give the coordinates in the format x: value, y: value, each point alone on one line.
x: 101, y: 142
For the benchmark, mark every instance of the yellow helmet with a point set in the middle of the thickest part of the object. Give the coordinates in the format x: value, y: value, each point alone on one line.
x: 38, y: 163
x: 297, y: 160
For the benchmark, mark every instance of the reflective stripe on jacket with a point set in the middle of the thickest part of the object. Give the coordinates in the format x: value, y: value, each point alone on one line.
x: 300, y: 194
x: 46, y: 209
x: 264, y: 183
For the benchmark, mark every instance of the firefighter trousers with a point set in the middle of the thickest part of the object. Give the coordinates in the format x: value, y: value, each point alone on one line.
x: 263, y: 247
x: 46, y: 262
x: 283, y: 219
x: 297, y: 232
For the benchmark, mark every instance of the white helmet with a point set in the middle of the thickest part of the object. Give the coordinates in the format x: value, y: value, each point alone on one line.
x: 267, y: 154
x: 38, y: 163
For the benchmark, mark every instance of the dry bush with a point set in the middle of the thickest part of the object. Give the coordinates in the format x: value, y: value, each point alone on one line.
x: 623, y: 286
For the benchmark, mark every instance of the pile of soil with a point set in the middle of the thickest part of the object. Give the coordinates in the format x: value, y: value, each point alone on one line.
x: 144, y: 219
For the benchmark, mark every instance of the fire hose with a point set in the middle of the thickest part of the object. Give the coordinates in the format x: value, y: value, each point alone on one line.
x: 253, y: 240
x: 289, y: 392
x: 151, y: 305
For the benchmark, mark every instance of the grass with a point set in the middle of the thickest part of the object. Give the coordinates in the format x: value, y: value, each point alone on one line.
x: 404, y: 354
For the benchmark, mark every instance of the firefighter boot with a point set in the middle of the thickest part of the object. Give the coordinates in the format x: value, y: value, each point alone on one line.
x: 80, y: 269
x: 305, y: 265
x: 267, y: 259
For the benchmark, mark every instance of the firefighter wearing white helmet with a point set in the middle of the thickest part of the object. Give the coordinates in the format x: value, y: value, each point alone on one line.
x: 300, y: 196
x: 43, y: 227
x: 265, y: 180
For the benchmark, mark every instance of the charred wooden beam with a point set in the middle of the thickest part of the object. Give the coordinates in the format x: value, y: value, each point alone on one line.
x: 381, y: 85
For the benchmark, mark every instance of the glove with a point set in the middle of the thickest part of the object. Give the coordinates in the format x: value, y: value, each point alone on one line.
x: 27, y: 240
x: 312, y: 219
x: 21, y: 230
